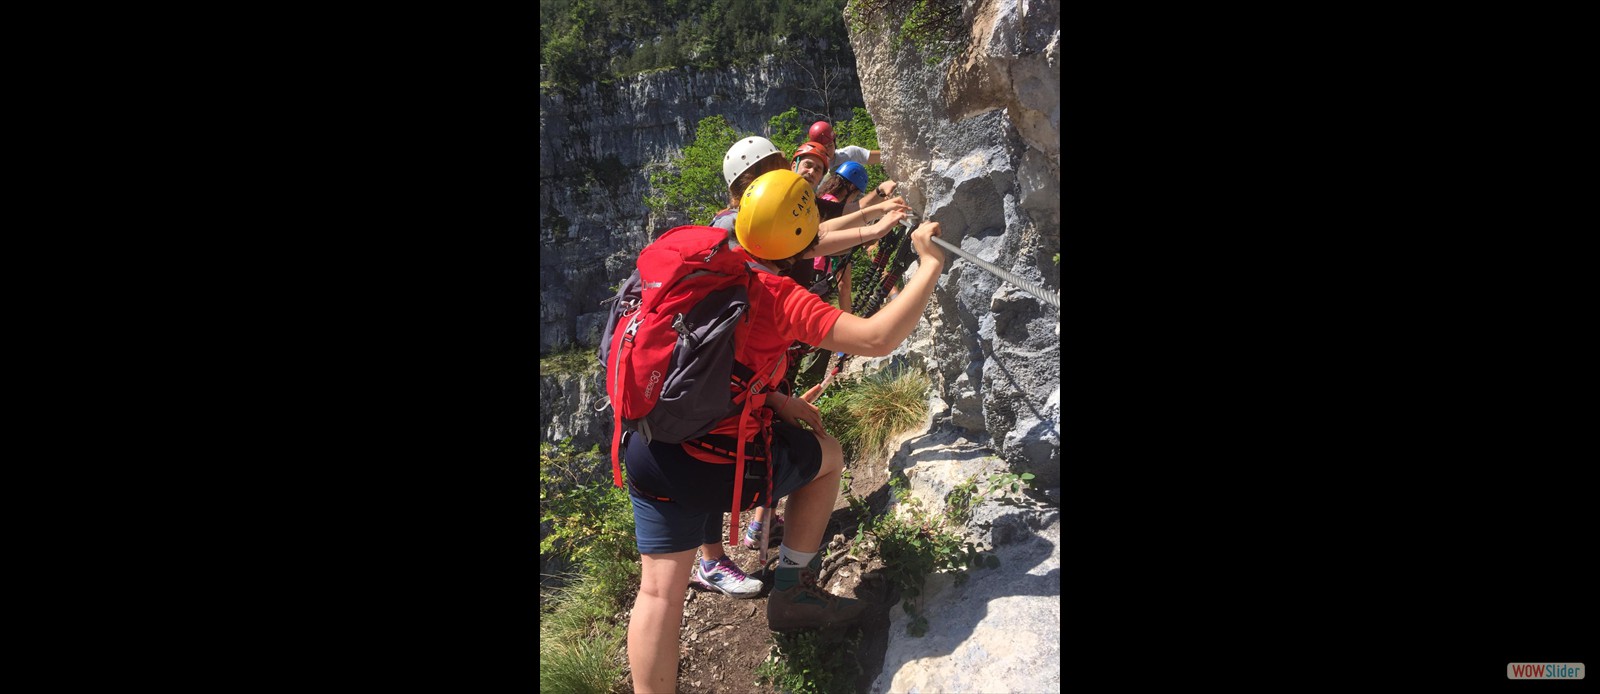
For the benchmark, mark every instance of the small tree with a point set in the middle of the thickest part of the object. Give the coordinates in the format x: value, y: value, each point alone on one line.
x: 693, y: 183
x: 784, y: 130
x: 861, y: 132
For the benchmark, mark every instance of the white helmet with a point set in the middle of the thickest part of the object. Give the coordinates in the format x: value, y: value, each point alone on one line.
x: 744, y: 154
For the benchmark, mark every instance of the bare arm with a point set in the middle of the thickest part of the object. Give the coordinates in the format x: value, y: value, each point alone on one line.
x: 841, y: 240
x: 885, y: 330
x: 859, y: 217
x: 883, y: 192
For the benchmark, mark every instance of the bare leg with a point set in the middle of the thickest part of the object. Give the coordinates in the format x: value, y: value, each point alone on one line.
x: 653, y: 630
x: 810, y: 506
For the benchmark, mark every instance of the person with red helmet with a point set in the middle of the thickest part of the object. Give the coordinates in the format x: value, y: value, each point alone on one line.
x: 821, y: 132
x: 811, y: 161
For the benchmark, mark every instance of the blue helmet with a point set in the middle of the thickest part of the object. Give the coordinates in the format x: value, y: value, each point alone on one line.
x: 855, y: 173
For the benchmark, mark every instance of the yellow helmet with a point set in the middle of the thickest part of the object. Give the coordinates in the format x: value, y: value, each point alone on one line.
x: 777, y: 216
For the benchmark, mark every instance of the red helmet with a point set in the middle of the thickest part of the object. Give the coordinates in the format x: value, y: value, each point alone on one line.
x: 815, y: 149
x: 821, y: 132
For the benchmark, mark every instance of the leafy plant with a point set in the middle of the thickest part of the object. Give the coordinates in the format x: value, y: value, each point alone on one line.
x: 584, y: 520
x: 914, y: 543
x: 1008, y: 479
x: 961, y: 499
x: 958, y: 503
x: 931, y: 27
x: 589, y: 523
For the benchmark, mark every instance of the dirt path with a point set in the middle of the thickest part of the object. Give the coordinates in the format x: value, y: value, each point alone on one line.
x: 725, y: 640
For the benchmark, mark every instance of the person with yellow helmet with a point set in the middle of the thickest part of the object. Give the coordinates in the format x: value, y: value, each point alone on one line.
x: 775, y: 225
x: 747, y: 159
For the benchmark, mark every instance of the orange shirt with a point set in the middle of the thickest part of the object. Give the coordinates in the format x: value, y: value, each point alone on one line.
x: 783, y: 312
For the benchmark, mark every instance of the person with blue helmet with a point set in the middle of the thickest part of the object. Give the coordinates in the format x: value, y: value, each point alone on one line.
x: 846, y: 185
x: 855, y: 173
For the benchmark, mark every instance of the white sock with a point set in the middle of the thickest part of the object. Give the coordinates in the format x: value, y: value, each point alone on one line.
x: 789, y: 557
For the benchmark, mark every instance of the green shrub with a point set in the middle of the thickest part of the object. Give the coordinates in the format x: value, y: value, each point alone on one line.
x: 573, y: 360
x: 588, y: 522
x: 811, y: 663
x: 582, y: 519
x: 692, y: 184
x: 931, y: 27
x: 914, y: 543
x: 785, y: 131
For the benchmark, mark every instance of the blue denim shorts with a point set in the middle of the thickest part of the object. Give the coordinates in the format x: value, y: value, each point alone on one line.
x: 664, y: 527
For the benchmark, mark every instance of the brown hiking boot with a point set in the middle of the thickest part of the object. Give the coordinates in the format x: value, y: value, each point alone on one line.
x: 805, y: 605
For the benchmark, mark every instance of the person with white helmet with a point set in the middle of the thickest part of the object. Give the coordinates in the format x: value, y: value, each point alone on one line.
x: 747, y: 159
x: 775, y: 226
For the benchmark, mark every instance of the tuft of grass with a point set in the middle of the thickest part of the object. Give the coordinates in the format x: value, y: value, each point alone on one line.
x: 865, y: 413
x: 580, y: 650
x: 582, y: 629
x: 576, y: 360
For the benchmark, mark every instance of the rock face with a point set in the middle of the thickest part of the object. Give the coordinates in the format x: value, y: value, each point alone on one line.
x: 567, y: 409
x: 976, y: 140
x: 596, y: 149
x: 998, y: 632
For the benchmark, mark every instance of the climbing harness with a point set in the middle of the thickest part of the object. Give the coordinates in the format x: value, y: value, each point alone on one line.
x: 802, y: 355
x: 882, y: 276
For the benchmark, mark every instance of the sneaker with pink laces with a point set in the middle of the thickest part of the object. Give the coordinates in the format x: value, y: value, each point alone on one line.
x: 727, y: 579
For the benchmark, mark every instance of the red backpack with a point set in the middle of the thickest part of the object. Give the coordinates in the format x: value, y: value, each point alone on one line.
x: 672, y: 350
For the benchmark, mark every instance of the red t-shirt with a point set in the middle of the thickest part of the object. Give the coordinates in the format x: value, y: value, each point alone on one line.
x: 783, y: 312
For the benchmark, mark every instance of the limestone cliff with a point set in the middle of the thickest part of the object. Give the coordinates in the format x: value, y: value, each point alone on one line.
x: 976, y: 140
x: 595, y: 149
x: 975, y: 137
